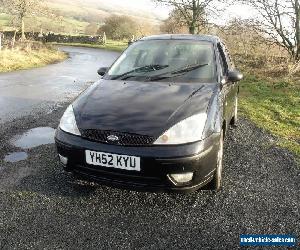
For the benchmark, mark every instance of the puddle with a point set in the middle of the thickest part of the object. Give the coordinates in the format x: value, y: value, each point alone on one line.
x: 34, y: 138
x: 16, y: 157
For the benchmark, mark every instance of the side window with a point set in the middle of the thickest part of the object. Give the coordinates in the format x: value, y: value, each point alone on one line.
x: 223, y: 61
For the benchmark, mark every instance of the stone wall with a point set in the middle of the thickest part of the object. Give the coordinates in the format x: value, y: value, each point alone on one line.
x: 51, y: 37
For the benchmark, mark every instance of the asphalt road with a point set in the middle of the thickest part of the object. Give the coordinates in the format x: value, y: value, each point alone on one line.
x: 29, y: 91
x: 41, y: 207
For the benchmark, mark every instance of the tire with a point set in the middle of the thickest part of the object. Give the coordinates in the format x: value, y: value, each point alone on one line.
x: 234, y: 120
x: 216, y: 182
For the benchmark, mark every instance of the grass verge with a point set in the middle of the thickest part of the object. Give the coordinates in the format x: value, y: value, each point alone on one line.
x: 118, y: 46
x: 17, y: 59
x: 274, y: 107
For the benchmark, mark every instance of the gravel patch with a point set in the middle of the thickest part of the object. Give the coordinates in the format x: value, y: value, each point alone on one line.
x: 44, y: 208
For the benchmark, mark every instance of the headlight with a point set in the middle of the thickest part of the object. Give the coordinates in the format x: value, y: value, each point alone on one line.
x: 188, y: 130
x: 68, y: 122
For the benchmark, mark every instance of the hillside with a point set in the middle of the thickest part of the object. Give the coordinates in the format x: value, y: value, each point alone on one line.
x: 89, y: 9
x: 72, y: 16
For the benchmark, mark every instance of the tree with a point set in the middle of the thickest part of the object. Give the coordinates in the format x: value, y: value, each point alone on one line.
x: 193, y: 12
x: 280, y: 21
x: 144, y: 28
x: 22, y: 9
x: 242, y: 37
x: 119, y: 27
x: 174, y: 24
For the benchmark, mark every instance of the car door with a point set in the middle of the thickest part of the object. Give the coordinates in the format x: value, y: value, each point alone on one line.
x: 234, y: 86
x: 229, y: 88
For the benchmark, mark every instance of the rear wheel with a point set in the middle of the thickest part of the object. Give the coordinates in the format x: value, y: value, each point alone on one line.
x: 216, y: 183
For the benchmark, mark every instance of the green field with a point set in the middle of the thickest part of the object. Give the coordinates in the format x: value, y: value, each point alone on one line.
x: 4, y: 20
x: 118, y: 46
x: 63, y: 25
x: 72, y: 16
x: 274, y: 107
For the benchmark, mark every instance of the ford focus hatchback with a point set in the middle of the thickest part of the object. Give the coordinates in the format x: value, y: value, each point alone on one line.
x: 157, y: 118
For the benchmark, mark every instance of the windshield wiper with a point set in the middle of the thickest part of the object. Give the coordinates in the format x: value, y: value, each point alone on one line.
x: 143, y: 69
x: 177, y: 72
x: 189, y: 68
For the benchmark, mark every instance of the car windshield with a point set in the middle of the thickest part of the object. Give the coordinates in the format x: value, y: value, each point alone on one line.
x: 166, y: 60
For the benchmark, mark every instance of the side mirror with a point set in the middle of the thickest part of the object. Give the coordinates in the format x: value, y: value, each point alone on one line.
x: 102, y: 71
x: 235, y: 76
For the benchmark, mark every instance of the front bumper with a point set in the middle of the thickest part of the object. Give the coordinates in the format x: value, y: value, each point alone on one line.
x: 157, y: 162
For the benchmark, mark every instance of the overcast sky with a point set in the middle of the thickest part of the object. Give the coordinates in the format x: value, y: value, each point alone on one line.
x: 162, y: 11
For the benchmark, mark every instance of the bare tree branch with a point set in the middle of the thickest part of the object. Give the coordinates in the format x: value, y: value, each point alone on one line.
x: 280, y: 21
x: 193, y: 12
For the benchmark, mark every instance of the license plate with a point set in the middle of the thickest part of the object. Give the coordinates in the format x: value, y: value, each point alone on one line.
x: 113, y: 160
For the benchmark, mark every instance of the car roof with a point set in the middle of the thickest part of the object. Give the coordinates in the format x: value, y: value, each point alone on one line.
x: 207, y: 38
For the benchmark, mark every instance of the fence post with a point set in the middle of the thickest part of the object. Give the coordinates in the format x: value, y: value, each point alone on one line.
x: 14, y: 40
x: 104, y: 39
x: 0, y: 41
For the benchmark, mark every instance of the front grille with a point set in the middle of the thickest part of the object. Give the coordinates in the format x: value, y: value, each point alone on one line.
x: 125, y: 139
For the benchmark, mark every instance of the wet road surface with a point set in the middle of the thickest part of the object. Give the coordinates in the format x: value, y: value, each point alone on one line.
x: 27, y: 91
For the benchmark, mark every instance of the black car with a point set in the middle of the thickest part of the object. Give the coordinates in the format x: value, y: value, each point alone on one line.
x: 157, y: 118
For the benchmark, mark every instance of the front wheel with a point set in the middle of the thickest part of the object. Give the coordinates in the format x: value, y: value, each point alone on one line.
x: 216, y: 183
